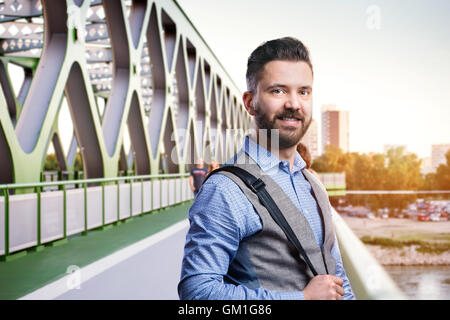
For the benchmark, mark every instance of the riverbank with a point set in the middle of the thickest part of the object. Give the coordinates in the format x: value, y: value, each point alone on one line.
x: 408, y: 256
x: 404, y: 242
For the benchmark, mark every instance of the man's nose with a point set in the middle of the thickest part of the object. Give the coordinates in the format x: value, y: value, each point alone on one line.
x: 293, y: 102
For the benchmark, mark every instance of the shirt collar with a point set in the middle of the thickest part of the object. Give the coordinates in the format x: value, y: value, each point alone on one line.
x: 267, y: 160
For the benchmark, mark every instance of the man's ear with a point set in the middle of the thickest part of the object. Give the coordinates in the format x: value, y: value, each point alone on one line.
x: 248, y: 102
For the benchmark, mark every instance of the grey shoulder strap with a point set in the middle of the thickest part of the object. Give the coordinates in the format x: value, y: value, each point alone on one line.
x: 258, y: 187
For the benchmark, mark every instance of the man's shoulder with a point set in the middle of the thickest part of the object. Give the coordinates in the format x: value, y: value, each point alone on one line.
x: 220, y: 180
x: 220, y: 193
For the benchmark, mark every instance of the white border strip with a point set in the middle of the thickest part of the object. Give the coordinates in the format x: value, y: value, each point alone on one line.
x: 61, y: 286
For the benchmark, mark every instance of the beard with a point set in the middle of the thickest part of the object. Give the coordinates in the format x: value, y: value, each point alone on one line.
x: 287, y: 136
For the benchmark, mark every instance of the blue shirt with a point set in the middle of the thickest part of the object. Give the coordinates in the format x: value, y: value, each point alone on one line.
x: 221, y: 216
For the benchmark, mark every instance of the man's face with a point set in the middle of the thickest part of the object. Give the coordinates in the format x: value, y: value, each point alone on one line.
x: 283, y: 100
x: 199, y: 163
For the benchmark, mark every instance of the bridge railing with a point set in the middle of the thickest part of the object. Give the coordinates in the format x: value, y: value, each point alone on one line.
x: 28, y: 221
x: 368, y: 278
x: 334, y: 182
x: 33, y: 219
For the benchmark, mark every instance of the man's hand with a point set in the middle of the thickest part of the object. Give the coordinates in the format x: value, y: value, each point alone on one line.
x: 324, y: 287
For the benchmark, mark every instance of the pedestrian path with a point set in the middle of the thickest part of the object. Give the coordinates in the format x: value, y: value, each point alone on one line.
x: 37, y: 269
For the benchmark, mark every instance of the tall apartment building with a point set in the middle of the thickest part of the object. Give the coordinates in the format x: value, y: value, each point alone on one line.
x: 311, y: 139
x: 438, y: 152
x: 335, y: 127
x: 426, y: 166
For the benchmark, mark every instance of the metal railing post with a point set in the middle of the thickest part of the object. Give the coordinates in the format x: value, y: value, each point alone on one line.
x: 38, y: 191
x: 118, y: 201
x: 85, y: 208
x: 151, y: 188
x: 142, y: 195
x: 6, y: 195
x: 131, y: 198
x: 103, y: 203
x: 64, y: 210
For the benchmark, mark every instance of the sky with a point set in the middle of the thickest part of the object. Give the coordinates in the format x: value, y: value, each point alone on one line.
x: 386, y: 62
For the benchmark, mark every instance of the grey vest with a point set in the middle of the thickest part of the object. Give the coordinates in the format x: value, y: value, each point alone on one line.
x: 267, y: 259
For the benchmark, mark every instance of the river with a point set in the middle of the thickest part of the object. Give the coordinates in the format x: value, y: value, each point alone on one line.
x: 422, y: 282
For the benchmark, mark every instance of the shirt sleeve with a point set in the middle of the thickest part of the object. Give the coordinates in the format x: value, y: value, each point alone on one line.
x: 212, y: 241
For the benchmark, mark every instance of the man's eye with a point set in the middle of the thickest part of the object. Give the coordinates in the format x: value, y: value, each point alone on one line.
x: 277, y: 91
x: 304, y: 92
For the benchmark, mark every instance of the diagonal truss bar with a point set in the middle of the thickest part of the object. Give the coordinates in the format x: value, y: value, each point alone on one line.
x: 159, y: 78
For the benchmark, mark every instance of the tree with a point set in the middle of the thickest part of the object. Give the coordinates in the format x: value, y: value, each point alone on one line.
x: 333, y: 160
x: 375, y: 171
x: 78, y: 165
x: 429, y: 182
x: 362, y: 173
x: 403, y: 170
x: 51, y: 163
x: 442, y: 177
x: 395, y: 170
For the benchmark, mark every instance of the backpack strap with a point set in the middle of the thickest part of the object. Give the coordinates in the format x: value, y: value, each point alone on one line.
x: 257, y: 186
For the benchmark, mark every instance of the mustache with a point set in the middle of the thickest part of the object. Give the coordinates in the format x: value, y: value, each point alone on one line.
x: 291, y: 114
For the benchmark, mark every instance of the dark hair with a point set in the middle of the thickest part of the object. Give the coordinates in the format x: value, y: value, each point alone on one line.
x: 304, y: 153
x: 287, y: 48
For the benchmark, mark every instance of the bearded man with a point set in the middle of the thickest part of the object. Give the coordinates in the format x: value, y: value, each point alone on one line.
x: 234, y: 249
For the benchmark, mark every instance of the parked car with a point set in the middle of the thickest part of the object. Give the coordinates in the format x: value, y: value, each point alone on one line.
x: 361, y: 214
x: 411, y: 214
x: 434, y: 217
x: 351, y: 213
x: 423, y: 217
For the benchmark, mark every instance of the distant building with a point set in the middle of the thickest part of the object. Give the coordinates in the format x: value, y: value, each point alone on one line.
x: 335, y: 127
x: 426, y: 166
x: 438, y: 152
x: 311, y: 139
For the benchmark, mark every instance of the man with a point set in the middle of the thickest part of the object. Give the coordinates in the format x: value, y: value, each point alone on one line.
x: 234, y: 249
x: 197, y: 175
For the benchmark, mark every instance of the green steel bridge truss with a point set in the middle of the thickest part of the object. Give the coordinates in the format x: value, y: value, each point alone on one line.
x: 144, y: 61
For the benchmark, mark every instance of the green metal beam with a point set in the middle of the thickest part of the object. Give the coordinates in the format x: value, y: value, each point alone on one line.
x: 162, y: 82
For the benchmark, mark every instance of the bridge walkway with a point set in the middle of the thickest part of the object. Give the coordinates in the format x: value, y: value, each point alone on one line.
x: 47, y: 274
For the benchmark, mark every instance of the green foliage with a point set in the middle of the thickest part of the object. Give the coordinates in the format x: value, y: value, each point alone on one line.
x: 423, y: 246
x: 440, y: 180
x: 395, y: 170
x: 78, y: 166
x: 333, y: 160
x: 443, y: 174
x: 51, y: 163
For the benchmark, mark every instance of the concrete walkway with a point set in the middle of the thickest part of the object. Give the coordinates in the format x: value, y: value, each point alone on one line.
x: 139, y: 259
